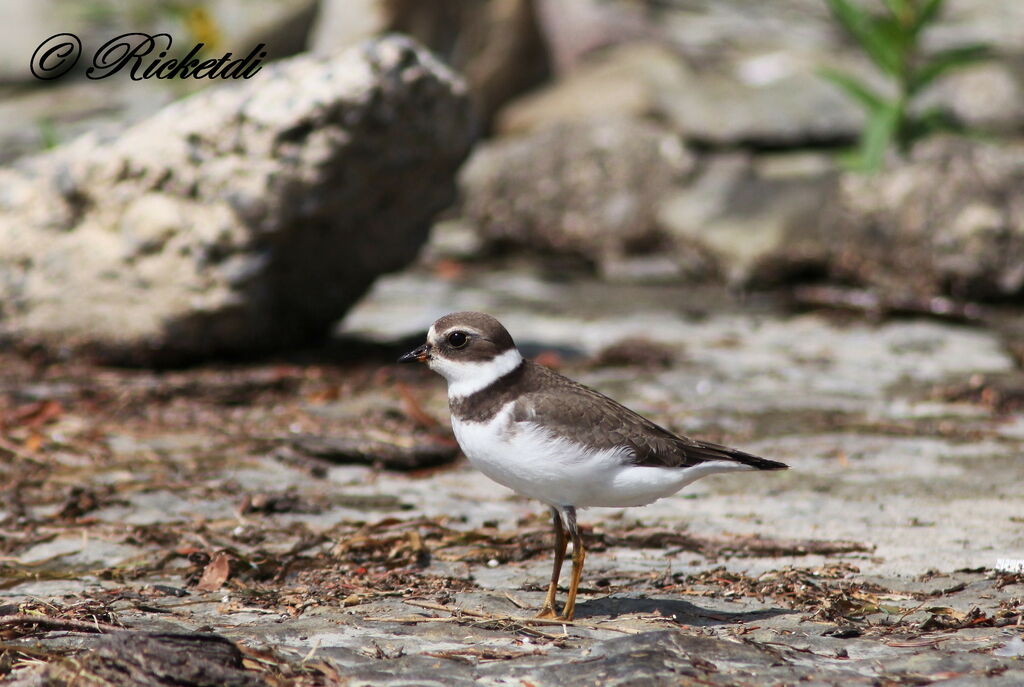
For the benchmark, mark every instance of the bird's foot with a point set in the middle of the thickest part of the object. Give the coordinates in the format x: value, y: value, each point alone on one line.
x: 547, y: 613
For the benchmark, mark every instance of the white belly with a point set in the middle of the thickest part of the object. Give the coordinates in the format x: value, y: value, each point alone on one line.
x: 522, y: 457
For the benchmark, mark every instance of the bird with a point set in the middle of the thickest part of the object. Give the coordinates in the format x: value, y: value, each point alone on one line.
x: 550, y: 438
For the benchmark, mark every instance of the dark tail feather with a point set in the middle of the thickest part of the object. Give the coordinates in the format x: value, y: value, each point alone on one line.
x: 708, y: 451
x: 758, y: 462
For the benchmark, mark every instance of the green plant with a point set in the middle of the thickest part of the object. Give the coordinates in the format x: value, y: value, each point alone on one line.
x: 892, y: 39
x: 48, y: 136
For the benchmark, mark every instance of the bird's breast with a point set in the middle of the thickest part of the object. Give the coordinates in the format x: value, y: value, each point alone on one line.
x: 527, y: 459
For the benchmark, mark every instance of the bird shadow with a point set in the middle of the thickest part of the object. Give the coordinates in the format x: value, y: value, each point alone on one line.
x: 682, y: 612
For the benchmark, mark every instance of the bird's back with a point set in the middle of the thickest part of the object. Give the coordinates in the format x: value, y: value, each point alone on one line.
x: 568, y: 408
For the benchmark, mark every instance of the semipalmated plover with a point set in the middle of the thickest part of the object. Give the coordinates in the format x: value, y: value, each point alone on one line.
x: 547, y: 437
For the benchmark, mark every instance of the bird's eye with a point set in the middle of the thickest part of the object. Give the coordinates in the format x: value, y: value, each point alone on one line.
x: 457, y: 339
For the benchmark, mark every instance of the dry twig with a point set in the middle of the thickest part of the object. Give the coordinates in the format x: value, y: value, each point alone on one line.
x: 57, y: 623
x: 519, y: 620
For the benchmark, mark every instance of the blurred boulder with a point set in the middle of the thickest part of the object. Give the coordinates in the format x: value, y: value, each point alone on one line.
x: 244, y: 218
x: 765, y: 99
x: 751, y: 98
x: 626, y: 195
x: 735, y: 72
x: 495, y: 44
x: 719, y: 73
x: 949, y: 221
x: 629, y: 80
x: 986, y: 97
x: 574, y: 28
x: 755, y: 216
x: 587, y: 189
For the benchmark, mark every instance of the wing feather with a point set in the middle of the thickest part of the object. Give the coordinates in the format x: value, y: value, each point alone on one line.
x: 578, y: 410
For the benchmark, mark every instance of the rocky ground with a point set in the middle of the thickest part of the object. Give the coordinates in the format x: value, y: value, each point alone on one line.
x: 305, y: 518
x: 312, y: 508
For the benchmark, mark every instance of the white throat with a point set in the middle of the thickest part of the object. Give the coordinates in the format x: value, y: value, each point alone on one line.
x: 466, y: 378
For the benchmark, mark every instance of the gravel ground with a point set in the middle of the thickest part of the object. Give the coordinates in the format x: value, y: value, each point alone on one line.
x: 315, y: 512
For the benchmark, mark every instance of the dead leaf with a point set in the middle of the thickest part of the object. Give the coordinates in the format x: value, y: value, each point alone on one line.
x: 215, y: 574
x: 35, y: 414
x: 33, y: 443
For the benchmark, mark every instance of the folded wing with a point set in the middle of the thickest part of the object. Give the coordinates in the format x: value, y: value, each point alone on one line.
x: 577, y: 410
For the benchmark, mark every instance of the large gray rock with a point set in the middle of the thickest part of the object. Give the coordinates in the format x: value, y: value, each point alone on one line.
x: 630, y: 198
x: 949, y: 221
x: 244, y: 218
x: 755, y: 216
x: 588, y: 189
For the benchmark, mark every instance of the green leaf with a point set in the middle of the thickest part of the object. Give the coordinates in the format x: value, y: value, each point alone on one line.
x: 891, y: 39
x: 855, y: 88
x: 876, y: 137
x: 946, y: 61
x: 902, y: 10
x: 849, y: 159
x: 934, y: 120
x: 927, y: 14
x: 850, y: 16
x: 894, y: 34
x: 48, y: 137
x: 864, y: 29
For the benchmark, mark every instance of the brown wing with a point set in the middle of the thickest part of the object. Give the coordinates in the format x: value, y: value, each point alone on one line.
x: 604, y: 423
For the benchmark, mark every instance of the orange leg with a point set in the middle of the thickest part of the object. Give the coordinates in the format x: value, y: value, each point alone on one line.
x: 579, y: 554
x: 549, y: 609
